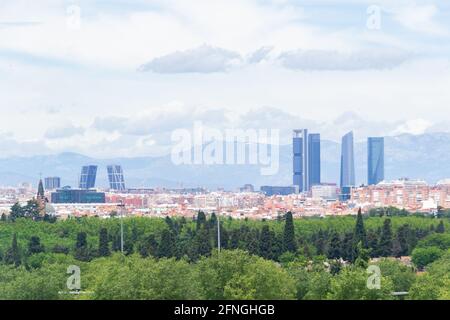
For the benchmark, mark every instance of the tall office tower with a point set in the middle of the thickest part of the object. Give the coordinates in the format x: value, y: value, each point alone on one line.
x: 115, y: 177
x: 52, y: 183
x: 87, y: 177
x: 306, y: 161
x: 297, y: 144
x: 347, y: 161
x: 314, y: 159
x: 375, y: 160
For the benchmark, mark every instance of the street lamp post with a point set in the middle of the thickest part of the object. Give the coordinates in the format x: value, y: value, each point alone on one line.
x: 218, y: 232
x: 121, y: 205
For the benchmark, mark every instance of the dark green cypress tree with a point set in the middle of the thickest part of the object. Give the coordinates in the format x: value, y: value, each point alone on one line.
x: 360, y: 232
x: 251, y: 241
x: 234, y: 239
x: 169, y: 223
x: 359, y: 236
x: 12, y: 255
x: 277, y: 245
x: 35, y: 246
x: 266, y: 243
x: 224, y: 237
x: 186, y: 245
x: 396, y: 248
x: 134, y: 235
x: 116, y: 242
x: 203, y: 242
x: 128, y: 248
x: 289, y: 243
x: 201, y: 219
x: 81, y: 240
x: 320, y: 242
x: 166, y: 248
x: 243, y: 236
x: 422, y: 233
x: 81, y: 247
x: 440, y: 228
x: 3, y: 218
x: 372, y: 243
x: 149, y: 247
x: 334, y: 246
x: 385, y: 243
x: 103, y: 243
x: 243, y: 231
x: 401, y: 243
x: 213, y: 221
x: 347, y: 247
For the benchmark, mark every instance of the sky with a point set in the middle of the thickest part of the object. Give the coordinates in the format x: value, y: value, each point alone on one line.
x: 116, y: 78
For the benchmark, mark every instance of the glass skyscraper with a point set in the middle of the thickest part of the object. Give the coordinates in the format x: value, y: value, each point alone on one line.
x: 275, y: 190
x: 347, y: 161
x: 87, y: 177
x: 297, y: 144
x: 67, y: 195
x: 115, y: 177
x: 306, y: 160
x: 375, y: 160
x: 314, y: 159
x: 52, y: 183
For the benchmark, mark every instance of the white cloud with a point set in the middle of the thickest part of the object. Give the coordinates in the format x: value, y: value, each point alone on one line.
x: 161, y: 121
x: 204, y: 59
x: 260, y: 54
x: 332, y: 60
x: 121, y: 39
x: 149, y: 134
x: 420, y: 18
x: 63, y: 131
x: 416, y: 126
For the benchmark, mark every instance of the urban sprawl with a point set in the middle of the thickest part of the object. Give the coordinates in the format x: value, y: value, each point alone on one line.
x: 307, y: 196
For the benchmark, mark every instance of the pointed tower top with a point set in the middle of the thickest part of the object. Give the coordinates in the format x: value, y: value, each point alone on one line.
x: 40, y: 193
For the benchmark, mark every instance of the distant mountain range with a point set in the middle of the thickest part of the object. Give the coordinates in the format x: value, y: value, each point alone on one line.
x: 424, y: 156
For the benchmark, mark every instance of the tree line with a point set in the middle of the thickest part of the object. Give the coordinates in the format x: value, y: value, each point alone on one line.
x: 181, y: 238
x: 178, y: 258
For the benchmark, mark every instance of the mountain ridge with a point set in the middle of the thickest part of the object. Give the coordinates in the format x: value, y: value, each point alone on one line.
x: 425, y: 156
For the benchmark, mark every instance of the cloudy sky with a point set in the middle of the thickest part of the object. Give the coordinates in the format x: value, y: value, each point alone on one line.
x: 115, y: 78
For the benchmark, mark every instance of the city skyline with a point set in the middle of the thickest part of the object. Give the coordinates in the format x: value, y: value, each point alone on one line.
x: 306, y: 169
x: 430, y: 151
